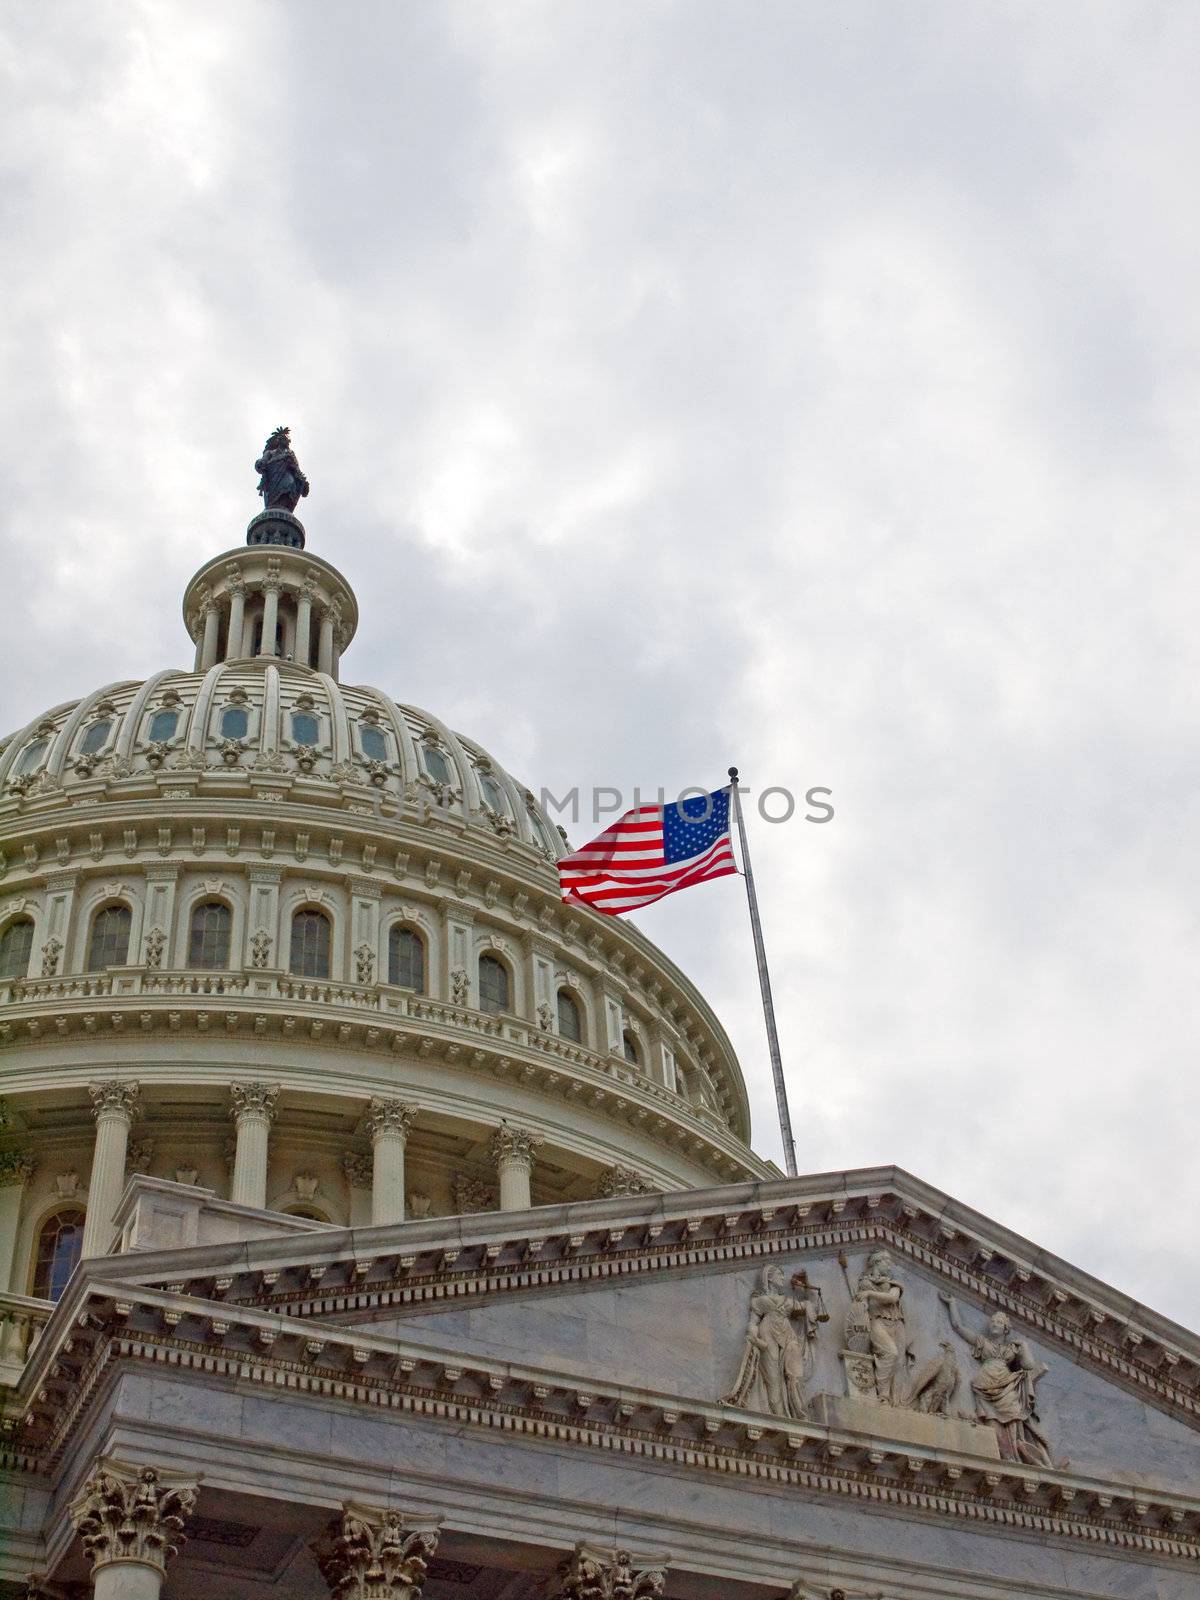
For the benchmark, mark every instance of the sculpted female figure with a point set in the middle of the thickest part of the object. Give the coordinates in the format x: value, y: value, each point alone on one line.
x: 778, y: 1358
x: 876, y: 1322
x: 1004, y: 1387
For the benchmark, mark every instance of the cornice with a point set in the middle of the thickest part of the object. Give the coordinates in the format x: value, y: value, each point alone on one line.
x: 112, y: 1323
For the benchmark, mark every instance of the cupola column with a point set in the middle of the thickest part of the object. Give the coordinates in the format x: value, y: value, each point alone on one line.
x: 131, y: 1520
x: 212, y: 626
x: 237, y: 614
x: 388, y: 1122
x: 252, y: 1106
x: 16, y: 1169
x: 304, y: 625
x: 325, y: 644
x: 270, y: 615
x: 512, y: 1150
x: 114, y: 1105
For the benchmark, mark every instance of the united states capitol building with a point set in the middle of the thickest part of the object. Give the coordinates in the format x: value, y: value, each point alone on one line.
x: 374, y: 1225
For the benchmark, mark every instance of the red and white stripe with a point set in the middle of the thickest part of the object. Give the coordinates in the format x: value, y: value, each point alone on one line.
x: 626, y: 866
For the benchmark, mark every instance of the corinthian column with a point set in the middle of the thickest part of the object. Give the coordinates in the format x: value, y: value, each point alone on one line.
x: 589, y: 1573
x: 252, y: 1107
x: 367, y: 1554
x: 388, y: 1122
x: 512, y: 1151
x: 236, y: 590
x: 114, y: 1105
x: 131, y: 1522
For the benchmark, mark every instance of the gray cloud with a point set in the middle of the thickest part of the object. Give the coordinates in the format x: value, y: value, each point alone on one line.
x: 814, y: 388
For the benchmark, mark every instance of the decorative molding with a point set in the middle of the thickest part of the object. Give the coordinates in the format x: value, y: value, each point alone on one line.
x: 515, y: 1145
x: 589, y: 1573
x: 127, y: 1514
x: 253, y: 1099
x: 389, y: 1116
x: 617, y: 1181
x: 115, y: 1098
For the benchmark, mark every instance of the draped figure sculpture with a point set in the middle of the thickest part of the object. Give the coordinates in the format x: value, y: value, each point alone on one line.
x: 1004, y: 1388
x: 875, y: 1323
x: 778, y: 1358
x: 281, y: 483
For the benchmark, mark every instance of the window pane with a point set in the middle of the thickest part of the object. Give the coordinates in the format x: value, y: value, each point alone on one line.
x: 310, y: 944
x: 94, y: 738
x: 630, y: 1045
x: 569, y: 1022
x: 109, y: 945
x: 305, y: 729
x: 16, y: 942
x: 33, y: 757
x: 406, y: 959
x: 374, y: 745
x: 493, y: 984
x: 58, y: 1249
x: 163, y: 725
x: 436, y: 765
x: 234, y: 723
x: 491, y: 793
x: 209, y: 942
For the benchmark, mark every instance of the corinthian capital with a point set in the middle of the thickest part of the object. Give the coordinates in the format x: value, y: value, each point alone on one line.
x: 592, y: 1574
x: 618, y: 1180
x: 116, y: 1097
x: 375, y: 1555
x: 390, y: 1116
x: 129, y: 1514
x: 253, y: 1099
x: 15, y: 1167
x: 514, y: 1144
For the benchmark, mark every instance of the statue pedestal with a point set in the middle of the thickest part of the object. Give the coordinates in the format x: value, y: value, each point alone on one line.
x: 856, y: 1415
x: 276, y: 526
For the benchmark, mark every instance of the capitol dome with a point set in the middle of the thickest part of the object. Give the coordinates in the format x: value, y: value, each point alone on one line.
x: 302, y: 944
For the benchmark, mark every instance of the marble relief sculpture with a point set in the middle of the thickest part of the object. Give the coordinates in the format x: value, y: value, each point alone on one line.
x: 778, y: 1358
x: 877, y: 1354
x: 1005, y: 1387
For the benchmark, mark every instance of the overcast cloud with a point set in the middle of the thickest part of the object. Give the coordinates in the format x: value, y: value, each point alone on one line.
x: 808, y: 386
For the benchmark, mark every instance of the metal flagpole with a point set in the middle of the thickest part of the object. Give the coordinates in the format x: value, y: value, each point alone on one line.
x: 764, y: 983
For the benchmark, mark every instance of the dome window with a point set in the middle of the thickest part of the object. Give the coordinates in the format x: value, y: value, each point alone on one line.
x: 406, y: 959
x: 305, y: 728
x: 436, y: 765
x: 16, y: 946
x: 373, y: 742
x: 162, y: 726
x: 570, y: 1023
x: 33, y: 757
x: 630, y: 1050
x: 109, y: 944
x: 95, y: 738
x: 492, y: 793
x: 59, y: 1244
x: 494, y: 992
x: 311, y: 937
x: 208, y: 935
x: 234, y: 722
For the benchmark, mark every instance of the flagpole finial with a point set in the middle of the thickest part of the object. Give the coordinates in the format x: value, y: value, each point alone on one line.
x: 733, y: 773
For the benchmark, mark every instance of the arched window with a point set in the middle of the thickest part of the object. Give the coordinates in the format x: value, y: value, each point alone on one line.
x: 629, y: 1045
x: 305, y: 728
x: 234, y: 722
x: 58, y: 1246
x: 373, y: 741
x: 406, y: 959
x: 493, y: 985
x: 109, y: 944
x: 208, y: 937
x: 94, y: 738
x: 162, y: 726
x: 310, y: 944
x: 436, y: 764
x: 492, y: 793
x: 33, y: 757
x: 16, y: 944
x: 570, y: 1023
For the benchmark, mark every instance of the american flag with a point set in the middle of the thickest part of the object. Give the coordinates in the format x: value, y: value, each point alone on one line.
x: 650, y: 852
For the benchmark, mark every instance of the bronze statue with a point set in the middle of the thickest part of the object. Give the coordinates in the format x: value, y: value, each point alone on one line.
x: 281, y: 483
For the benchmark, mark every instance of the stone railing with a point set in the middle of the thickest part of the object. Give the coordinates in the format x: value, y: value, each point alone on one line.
x: 21, y: 1324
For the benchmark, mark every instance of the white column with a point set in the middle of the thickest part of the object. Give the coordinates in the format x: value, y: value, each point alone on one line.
x: 304, y: 627
x: 114, y: 1105
x: 237, y: 619
x: 130, y: 1520
x: 512, y: 1151
x: 325, y: 643
x: 212, y: 625
x: 16, y: 1170
x: 270, y: 617
x: 388, y: 1123
x: 252, y: 1106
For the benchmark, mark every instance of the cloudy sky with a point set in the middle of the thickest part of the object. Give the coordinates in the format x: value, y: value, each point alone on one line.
x: 811, y: 386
